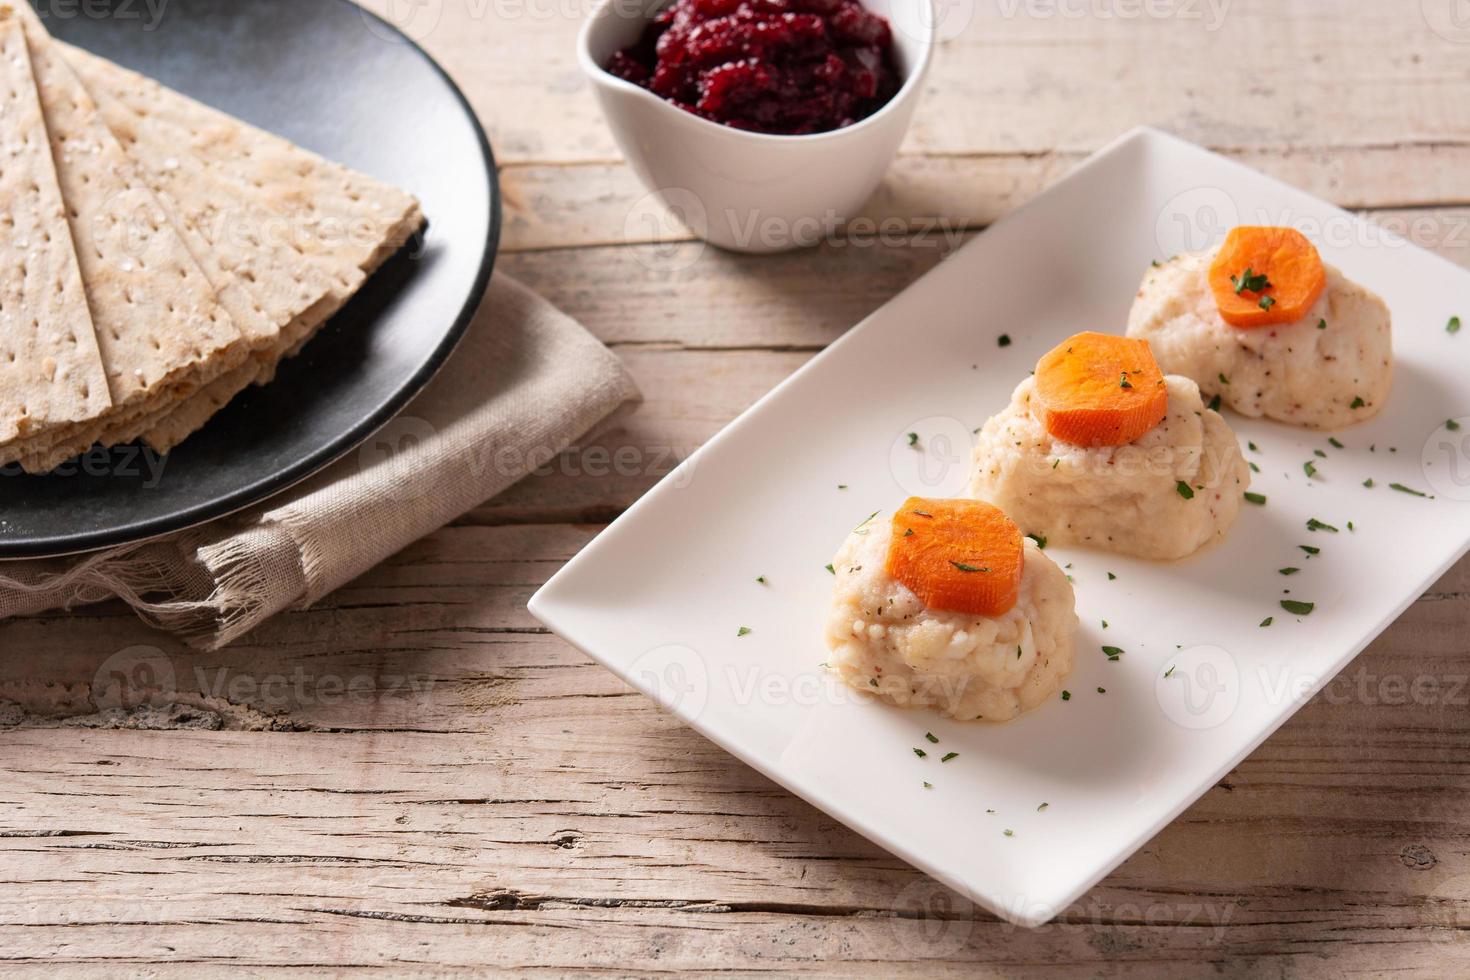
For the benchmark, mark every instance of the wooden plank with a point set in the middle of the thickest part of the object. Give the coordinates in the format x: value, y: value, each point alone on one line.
x: 474, y: 822
x: 938, y: 197
x: 1031, y: 76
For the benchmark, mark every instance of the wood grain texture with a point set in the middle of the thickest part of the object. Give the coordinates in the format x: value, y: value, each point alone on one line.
x: 415, y: 777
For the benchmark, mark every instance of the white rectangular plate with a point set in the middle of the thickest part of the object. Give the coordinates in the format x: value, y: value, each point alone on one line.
x: 660, y: 596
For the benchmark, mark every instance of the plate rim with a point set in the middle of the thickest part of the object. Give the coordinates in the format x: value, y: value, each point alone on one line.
x: 141, y: 532
x: 542, y: 605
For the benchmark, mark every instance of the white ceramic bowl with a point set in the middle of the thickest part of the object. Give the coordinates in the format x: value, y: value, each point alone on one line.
x: 752, y: 192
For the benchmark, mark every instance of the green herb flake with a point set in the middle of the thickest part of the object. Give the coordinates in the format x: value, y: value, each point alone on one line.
x: 1102, y: 690
x: 1358, y: 402
x: 1170, y: 672
x: 921, y: 753
x: 761, y: 579
x: 1224, y: 380
x: 908, y: 532
x: 1253, y: 466
x: 1298, y: 608
x: 1040, y: 540
x: 949, y: 755
x: 913, y: 438
x: 1319, y: 454
x: 1321, y: 324
x: 1315, y: 525
x: 1004, y: 340
x: 1267, y: 621
x: 842, y: 486
x: 1124, y: 382
x: 1368, y: 483
x: 1253, y: 447
x: 1184, y: 490
x: 1009, y: 832
x: 1214, y: 405
x: 1453, y: 326
x: 1258, y: 499
x: 1113, y: 652
x: 1309, y: 549
x: 1249, y: 280
x: 743, y: 631
x: 1332, y: 441
x: 967, y: 568
x: 932, y: 738
x: 1111, y: 576
x: 921, y: 513
x: 1105, y: 624
x: 1452, y: 425
x: 1409, y: 490
x: 1309, y: 468
x: 831, y: 570
x: 1042, y: 808
x: 1288, y: 570
x: 1066, y: 695
x: 1267, y: 302
x: 928, y: 785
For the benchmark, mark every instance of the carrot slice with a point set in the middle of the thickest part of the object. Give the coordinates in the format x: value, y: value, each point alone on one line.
x: 1099, y: 389
x: 1265, y: 276
x: 958, y: 555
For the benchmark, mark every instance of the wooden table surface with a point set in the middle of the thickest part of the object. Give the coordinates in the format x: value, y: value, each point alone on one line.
x: 415, y: 776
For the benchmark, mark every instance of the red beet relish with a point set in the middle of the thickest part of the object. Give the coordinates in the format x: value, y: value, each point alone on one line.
x: 771, y: 66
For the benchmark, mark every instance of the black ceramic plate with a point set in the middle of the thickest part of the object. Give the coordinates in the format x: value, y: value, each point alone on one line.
x: 335, y: 79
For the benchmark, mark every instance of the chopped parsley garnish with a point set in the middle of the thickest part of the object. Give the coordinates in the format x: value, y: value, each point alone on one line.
x: 1453, y: 326
x: 908, y: 532
x: 949, y: 755
x: 1184, y: 490
x: 1332, y: 441
x: 1288, y: 570
x: 1042, y: 807
x: 1253, y: 466
x: 1256, y: 498
x: 761, y: 579
x: 1009, y: 832
x: 1224, y: 380
x: 1309, y: 468
x: 1066, y: 695
x: 1298, y: 608
x: 1315, y: 525
x: 1170, y: 671
x: 864, y: 524
x: 1124, y: 382
x: 1267, y: 302
x: 1319, y: 454
x: 1358, y: 402
x: 1368, y: 483
x: 967, y: 568
x: 1309, y: 549
x: 1102, y: 690
x: 1267, y: 621
x: 932, y: 738
x: 921, y: 753
x: 1249, y: 280
x: 1321, y: 324
x: 1113, y: 652
x: 1214, y: 405
x: 1409, y: 490
x: 1040, y: 540
x: 1004, y: 340
x: 743, y: 631
x: 831, y: 570
x: 1018, y: 653
x: 1111, y: 576
x: 913, y: 438
x: 1253, y: 447
x: 842, y: 486
x: 1452, y: 425
x: 928, y: 785
x: 921, y: 513
x: 1105, y: 624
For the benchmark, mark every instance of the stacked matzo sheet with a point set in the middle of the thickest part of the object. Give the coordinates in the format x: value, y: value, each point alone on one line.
x: 160, y: 256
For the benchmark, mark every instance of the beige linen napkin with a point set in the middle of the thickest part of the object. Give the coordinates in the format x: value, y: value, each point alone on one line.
x: 523, y: 384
